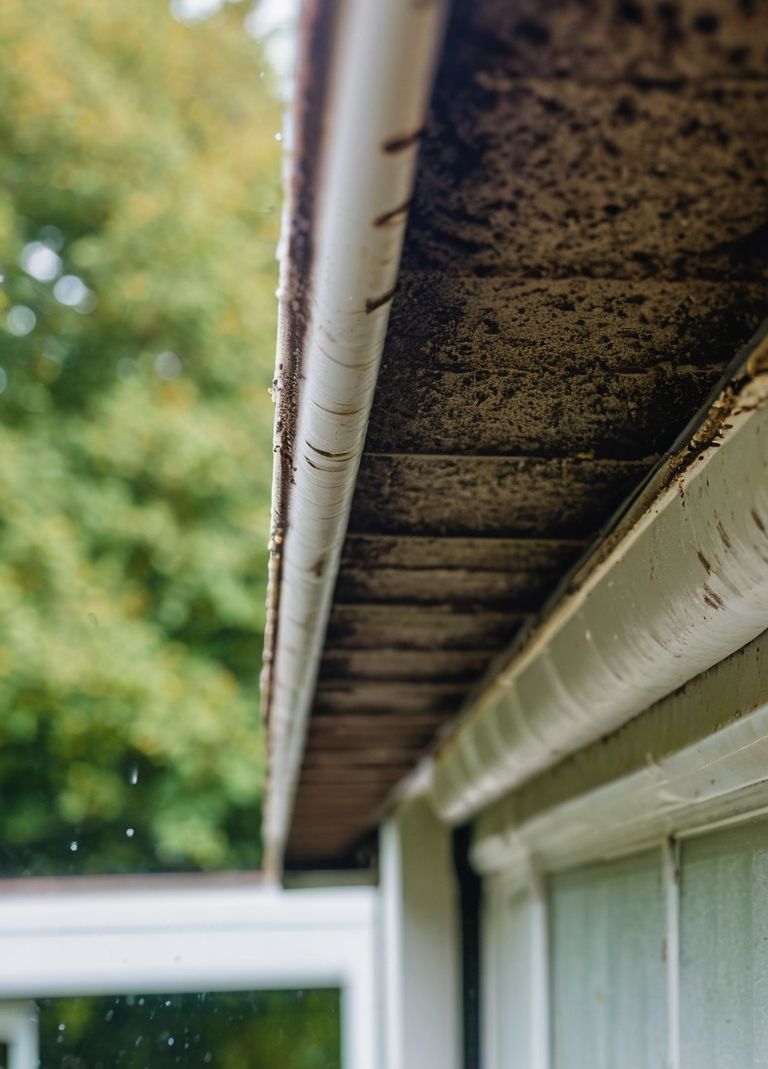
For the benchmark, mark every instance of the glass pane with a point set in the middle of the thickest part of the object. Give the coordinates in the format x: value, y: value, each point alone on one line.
x: 724, y: 949
x: 231, y: 1030
x: 607, y: 947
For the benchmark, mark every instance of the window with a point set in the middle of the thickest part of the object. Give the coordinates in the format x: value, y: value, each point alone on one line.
x: 655, y: 960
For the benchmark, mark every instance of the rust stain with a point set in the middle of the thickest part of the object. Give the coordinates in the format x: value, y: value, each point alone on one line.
x: 400, y: 142
x: 705, y: 562
x: 377, y: 302
x: 712, y: 598
x: 395, y: 214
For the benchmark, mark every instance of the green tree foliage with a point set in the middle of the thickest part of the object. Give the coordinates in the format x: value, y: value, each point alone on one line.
x: 139, y: 186
x: 228, y: 1030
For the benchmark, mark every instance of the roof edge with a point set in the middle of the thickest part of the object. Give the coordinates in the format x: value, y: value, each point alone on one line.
x: 364, y: 88
x: 679, y: 586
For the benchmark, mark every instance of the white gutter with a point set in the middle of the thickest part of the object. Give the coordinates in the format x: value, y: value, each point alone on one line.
x: 376, y: 60
x: 684, y: 587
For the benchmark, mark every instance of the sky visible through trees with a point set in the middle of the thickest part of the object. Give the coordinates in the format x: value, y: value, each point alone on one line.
x: 139, y: 211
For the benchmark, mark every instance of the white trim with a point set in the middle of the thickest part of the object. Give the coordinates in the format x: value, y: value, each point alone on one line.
x: 540, y: 981
x: 419, y: 941
x: 381, y: 61
x: 671, y: 878
x: 697, y: 757
x: 18, y: 1030
x: 686, y: 586
x: 167, y: 939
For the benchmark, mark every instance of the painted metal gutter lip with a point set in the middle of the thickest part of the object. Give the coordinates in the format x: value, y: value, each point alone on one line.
x: 683, y: 585
x: 365, y: 77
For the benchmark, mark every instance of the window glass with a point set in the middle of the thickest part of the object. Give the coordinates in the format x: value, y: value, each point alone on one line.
x: 263, y: 1030
x: 724, y: 949
x: 608, y: 971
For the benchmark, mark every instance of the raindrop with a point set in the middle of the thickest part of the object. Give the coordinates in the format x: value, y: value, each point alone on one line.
x: 129, y: 832
x: 71, y: 291
x: 168, y: 365
x: 62, y: 1027
x: 141, y: 1001
x: 170, y: 1041
x: 40, y: 261
x: 167, y: 1002
x: 20, y: 320
x: 135, y: 775
x: 207, y: 1057
x: 73, y: 846
x: 278, y: 136
x: 3, y: 379
x: 138, y: 1041
x: 109, y: 1015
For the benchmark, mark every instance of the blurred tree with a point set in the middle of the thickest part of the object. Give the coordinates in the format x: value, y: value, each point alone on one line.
x: 139, y: 202
x: 226, y: 1030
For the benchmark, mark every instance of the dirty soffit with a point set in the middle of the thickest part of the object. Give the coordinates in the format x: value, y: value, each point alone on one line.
x: 586, y: 252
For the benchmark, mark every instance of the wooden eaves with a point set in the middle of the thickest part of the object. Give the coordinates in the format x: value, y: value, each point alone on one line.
x: 586, y: 253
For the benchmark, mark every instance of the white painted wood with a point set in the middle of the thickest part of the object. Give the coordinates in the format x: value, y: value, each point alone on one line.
x: 509, y: 998
x: 671, y: 875
x: 607, y: 950
x: 18, y: 1030
x: 698, y: 756
x: 419, y: 941
x: 108, y: 940
x: 685, y: 586
x: 724, y: 949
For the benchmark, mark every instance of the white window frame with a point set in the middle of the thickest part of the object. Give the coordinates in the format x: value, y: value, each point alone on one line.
x: 156, y: 935
x: 704, y: 767
x: 18, y: 1031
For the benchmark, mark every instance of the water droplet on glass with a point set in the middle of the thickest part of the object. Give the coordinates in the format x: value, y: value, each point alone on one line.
x: 207, y: 1057
x: 129, y: 833
x: 40, y: 261
x: 168, y: 365
x: 20, y: 320
x: 170, y: 1041
x: 135, y: 775
x: 73, y: 846
x: 109, y: 1015
x: 167, y: 1002
x: 70, y: 290
x: 278, y: 136
x: 62, y: 1027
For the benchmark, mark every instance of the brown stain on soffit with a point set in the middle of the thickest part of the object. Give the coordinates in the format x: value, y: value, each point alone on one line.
x: 586, y: 252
